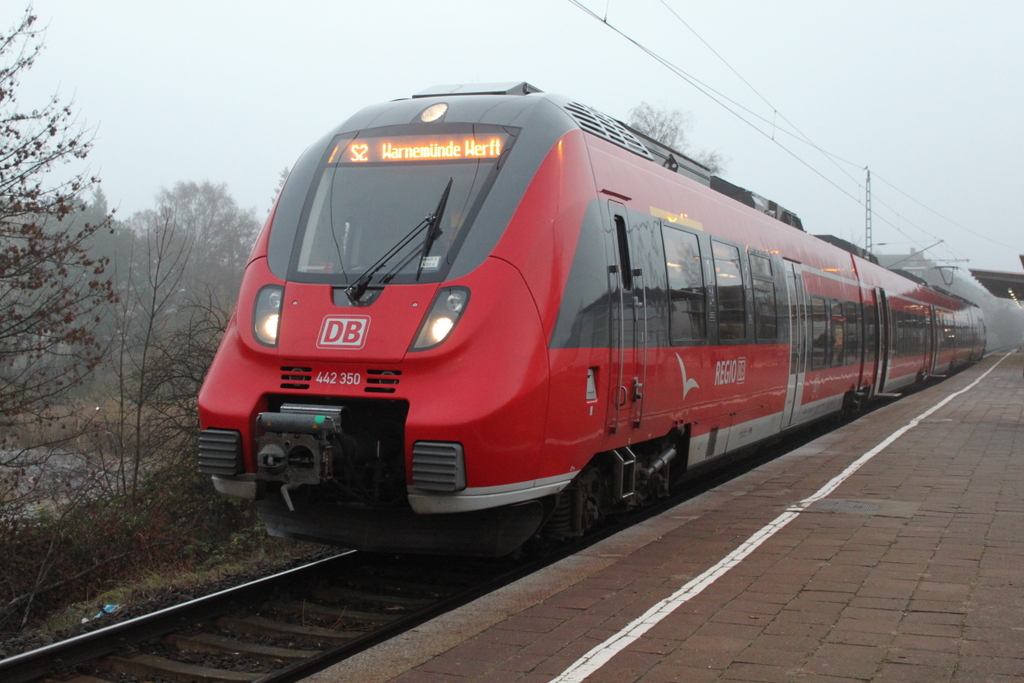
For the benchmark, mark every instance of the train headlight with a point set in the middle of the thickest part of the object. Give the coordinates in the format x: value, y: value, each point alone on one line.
x: 266, y: 314
x: 434, y: 112
x: 270, y: 326
x: 444, y: 313
x: 440, y: 329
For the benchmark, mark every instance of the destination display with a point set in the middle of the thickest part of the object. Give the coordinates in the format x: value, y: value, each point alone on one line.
x: 419, y: 148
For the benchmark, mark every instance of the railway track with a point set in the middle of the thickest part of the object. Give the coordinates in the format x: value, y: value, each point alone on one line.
x: 285, y: 627
x: 275, y: 629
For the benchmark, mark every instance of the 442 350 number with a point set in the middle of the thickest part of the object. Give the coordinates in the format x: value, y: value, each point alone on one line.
x: 338, y: 378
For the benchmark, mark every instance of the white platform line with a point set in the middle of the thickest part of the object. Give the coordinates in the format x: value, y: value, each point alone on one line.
x: 601, y: 654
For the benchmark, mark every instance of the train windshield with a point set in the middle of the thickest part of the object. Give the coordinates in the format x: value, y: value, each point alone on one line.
x: 376, y: 189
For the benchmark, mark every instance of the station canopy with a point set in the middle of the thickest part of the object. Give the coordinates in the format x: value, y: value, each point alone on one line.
x: 1002, y: 284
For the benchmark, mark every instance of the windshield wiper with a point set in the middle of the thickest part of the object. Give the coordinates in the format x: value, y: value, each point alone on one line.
x: 357, y: 289
x: 434, y: 231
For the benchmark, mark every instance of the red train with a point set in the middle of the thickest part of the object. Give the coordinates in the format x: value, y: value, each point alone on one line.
x: 486, y: 313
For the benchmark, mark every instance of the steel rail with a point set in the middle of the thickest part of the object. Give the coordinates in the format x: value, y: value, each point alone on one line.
x: 35, y: 664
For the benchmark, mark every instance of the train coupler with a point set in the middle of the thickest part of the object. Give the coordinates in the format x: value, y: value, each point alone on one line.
x: 296, y: 446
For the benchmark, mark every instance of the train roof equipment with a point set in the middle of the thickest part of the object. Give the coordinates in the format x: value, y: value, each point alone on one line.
x: 625, y: 136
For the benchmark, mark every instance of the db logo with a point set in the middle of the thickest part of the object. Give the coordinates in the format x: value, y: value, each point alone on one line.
x: 343, y: 331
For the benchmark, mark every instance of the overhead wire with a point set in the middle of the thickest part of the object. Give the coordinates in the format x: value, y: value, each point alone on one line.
x: 718, y: 97
x: 689, y: 78
x: 899, y: 216
x: 803, y: 136
x: 708, y: 90
x: 948, y: 219
x: 832, y: 157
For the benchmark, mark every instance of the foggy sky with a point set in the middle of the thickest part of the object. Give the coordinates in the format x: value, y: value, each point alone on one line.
x: 928, y: 94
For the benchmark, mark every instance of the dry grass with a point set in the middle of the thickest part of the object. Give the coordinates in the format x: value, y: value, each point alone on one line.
x: 170, y: 586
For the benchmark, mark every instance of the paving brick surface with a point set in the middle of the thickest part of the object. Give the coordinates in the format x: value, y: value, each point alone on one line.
x: 929, y: 586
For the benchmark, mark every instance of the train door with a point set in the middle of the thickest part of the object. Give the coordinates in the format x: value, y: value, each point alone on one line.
x: 629, y: 324
x: 882, y: 349
x: 933, y: 340
x: 797, y: 344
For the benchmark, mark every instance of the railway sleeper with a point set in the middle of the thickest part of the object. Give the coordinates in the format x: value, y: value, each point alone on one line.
x: 298, y: 608
x: 151, y: 666
x: 209, y: 642
x: 399, y: 585
x: 339, y: 594
x: 273, y: 628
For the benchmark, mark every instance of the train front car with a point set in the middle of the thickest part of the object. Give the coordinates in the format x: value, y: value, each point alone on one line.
x: 384, y: 382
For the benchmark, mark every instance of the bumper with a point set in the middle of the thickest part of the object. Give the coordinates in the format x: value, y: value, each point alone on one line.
x: 246, y: 488
x: 494, y: 532
x: 472, y: 499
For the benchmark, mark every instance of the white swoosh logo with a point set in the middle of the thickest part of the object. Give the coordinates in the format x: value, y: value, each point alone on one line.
x: 687, y: 383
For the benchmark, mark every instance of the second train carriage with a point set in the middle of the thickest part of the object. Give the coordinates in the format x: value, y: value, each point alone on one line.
x: 486, y: 313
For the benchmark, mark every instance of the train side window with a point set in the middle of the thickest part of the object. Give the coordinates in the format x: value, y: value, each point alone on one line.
x: 732, y: 313
x: 900, y: 330
x: 852, y: 333
x: 949, y: 330
x: 819, y: 333
x: 766, y: 313
x: 894, y: 334
x: 913, y: 324
x: 924, y: 333
x: 917, y: 324
x: 928, y: 328
x: 838, y: 340
x: 686, y: 286
x: 870, y: 333
x: 924, y: 326
x: 914, y: 333
x: 625, y: 266
x: 927, y: 332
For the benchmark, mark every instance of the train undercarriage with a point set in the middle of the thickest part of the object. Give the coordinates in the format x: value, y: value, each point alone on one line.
x: 335, y: 473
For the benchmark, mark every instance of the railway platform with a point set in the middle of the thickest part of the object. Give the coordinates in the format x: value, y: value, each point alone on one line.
x: 891, y: 549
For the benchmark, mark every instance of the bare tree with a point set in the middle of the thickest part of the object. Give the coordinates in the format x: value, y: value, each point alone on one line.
x: 177, y: 291
x: 126, y: 484
x: 154, y: 289
x: 668, y: 126
x: 711, y: 159
x: 671, y: 128
x: 48, y: 282
x: 220, y: 231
